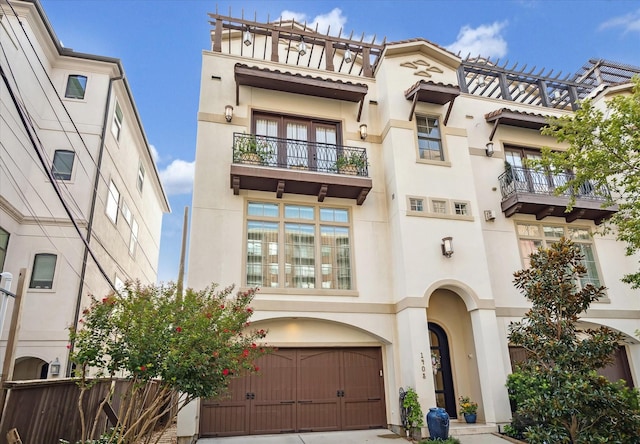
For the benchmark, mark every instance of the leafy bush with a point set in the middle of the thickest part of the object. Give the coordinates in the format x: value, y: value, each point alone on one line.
x: 450, y: 440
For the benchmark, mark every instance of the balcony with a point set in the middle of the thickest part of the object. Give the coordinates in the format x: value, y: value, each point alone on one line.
x: 529, y: 191
x: 299, y: 167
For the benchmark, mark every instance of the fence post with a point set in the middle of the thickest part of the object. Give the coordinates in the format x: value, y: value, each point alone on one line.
x: 8, y: 365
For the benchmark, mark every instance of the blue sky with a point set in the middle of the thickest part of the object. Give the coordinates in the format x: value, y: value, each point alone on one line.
x: 160, y: 44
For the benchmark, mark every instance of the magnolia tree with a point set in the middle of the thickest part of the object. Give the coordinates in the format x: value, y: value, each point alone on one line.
x: 560, y: 398
x: 603, y: 148
x: 170, y: 350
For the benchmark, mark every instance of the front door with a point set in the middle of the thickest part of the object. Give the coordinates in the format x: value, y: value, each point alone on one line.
x: 442, y: 377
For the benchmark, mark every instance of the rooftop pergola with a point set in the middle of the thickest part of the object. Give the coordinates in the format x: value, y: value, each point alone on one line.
x: 476, y: 75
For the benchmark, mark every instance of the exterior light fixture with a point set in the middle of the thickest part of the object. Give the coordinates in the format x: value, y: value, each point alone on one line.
x: 348, y: 57
x: 447, y: 246
x: 228, y: 113
x: 481, y: 81
x: 557, y: 94
x: 248, y: 39
x: 521, y: 88
x: 363, y: 131
x: 55, y: 367
x: 489, y: 149
x: 302, y: 47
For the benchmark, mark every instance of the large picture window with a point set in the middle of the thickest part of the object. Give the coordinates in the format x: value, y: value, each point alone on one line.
x: 531, y: 236
x: 298, y: 246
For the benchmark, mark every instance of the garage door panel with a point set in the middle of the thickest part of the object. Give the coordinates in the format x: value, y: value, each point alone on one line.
x: 227, y: 415
x: 363, y: 414
x: 317, y: 416
x: 318, y: 375
x: 273, y: 407
x: 362, y: 374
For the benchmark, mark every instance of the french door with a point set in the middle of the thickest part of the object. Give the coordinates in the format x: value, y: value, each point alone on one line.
x: 302, y: 143
x: 442, y: 377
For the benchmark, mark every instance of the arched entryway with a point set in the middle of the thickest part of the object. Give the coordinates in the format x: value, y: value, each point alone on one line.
x: 30, y: 368
x: 441, y: 362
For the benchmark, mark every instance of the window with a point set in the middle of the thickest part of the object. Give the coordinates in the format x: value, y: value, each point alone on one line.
x: 44, y: 266
x: 531, y: 236
x: 116, y: 126
x: 310, y: 144
x: 126, y: 213
x: 4, y: 243
x: 140, y: 181
x: 416, y: 204
x: 461, y: 208
x: 133, y: 240
x: 63, y: 164
x: 439, y: 206
x: 298, y: 246
x: 429, y: 138
x: 76, y: 86
x: 113, y: 199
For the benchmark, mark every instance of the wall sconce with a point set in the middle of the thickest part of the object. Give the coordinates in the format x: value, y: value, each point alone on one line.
x: 522, y: 88
x: 302, y: 48
x: 481, y: 81
x: 363, y: 131
x: 55, y: 367
x: 447, y: 246
x: 228, y: 113
x: 347, y: 56
x: 248, y: 39
x: 489, y: 149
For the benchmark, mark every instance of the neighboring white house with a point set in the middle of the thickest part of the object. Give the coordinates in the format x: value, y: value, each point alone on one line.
x: 79, y: 122
x: 399, y: 272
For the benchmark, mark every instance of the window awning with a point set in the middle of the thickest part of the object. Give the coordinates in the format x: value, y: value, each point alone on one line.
x: 506, y: 116
x: 299, y: 84
x: 431, y: 92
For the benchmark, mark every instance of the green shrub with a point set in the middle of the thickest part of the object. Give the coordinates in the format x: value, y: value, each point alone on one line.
x: 449, y: 440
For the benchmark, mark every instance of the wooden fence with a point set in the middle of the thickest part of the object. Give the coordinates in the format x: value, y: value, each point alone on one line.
x: 45, y: 411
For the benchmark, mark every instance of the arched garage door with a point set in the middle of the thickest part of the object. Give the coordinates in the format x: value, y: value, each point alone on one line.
x: 302, y: 390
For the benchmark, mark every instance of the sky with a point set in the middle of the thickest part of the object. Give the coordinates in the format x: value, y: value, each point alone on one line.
x: 160, y: 43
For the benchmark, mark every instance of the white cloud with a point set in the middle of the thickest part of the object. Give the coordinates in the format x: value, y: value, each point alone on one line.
x: 629, y: 22
x: 333, y: 20
x: 485, y: 41
x: 154, y: 153
x: 177, y: 177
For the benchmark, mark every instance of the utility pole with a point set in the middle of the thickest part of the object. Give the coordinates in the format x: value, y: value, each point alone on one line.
x: 7, y: 367
x: 182, y: 255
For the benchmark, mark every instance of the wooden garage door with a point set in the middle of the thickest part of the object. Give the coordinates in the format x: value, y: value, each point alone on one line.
x: 301, y: 390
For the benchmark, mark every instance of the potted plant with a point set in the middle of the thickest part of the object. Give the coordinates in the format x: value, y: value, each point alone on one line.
x: 413, y: 421
x: 252, y: 149
x: 468, y: 408
x: 351, y: 162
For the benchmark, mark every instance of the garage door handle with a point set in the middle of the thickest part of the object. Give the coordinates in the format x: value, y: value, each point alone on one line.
x: 287, y: 402
x: 375, y: 399
x: 306, y: 401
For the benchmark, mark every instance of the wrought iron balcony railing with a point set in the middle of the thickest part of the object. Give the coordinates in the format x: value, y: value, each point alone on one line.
x: 516, y: 180
x: 295, y: 154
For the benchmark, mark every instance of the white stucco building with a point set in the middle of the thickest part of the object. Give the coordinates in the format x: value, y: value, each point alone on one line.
x: 68, y: 119
x: 399, y: 275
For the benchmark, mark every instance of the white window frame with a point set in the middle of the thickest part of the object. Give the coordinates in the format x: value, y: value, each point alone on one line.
x: 449, y: 207
x: 116, y: 124
x: 444, y: 161
x: 112, y: 204
x: 140, y: 179
x: 133, y: 240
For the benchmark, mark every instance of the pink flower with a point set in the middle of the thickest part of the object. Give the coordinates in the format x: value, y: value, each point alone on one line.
x: 178, y: 329
x: 143, y: 368
x: 245, y: 353
x: 256, y: 368
x: 225, y: 372
x: 249, y: 310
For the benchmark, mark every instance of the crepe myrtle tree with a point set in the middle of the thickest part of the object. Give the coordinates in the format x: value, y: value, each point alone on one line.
x: 560, y: 397
x: 169, y: 350
x: 602, y: 154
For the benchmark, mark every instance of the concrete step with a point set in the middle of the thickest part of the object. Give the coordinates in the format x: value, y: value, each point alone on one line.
x: 461, y: 428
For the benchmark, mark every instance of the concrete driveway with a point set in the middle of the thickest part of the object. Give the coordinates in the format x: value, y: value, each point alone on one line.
x: 378, y: 436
